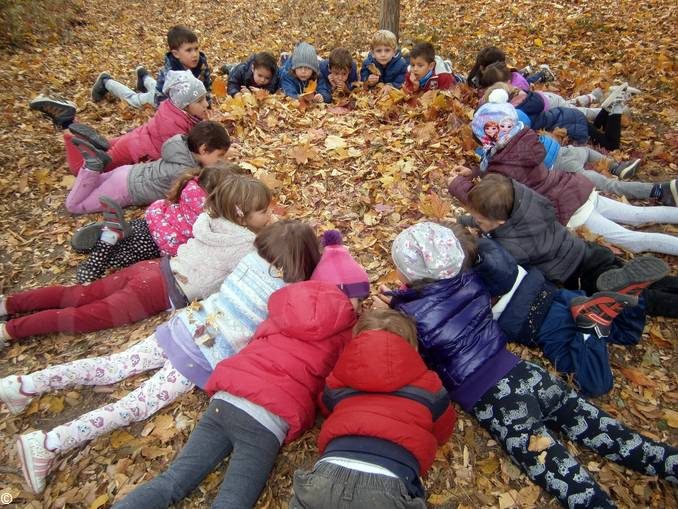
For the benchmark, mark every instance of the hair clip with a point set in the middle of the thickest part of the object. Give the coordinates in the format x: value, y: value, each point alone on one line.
x: 238, y: 211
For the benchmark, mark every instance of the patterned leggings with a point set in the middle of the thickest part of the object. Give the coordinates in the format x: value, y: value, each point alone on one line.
x: 166, y: 385
x: 529, y: 399
x: 138, y: 246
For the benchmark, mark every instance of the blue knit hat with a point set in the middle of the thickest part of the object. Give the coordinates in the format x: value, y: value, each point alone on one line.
x: 496, y: 121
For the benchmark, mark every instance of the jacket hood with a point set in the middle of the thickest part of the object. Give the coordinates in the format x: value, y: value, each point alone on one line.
x: 220, y: 232
x: 379, y: 361
x: 175, y: 150
x: 524, y: 149
x: 313, y: 310
x: 531, y: 213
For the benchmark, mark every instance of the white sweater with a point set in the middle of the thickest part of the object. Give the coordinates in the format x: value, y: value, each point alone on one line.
x: 202, y: 264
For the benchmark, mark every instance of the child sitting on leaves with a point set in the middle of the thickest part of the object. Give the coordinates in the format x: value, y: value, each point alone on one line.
x: 166, y: 225
x: 514, y: 400
x: 258, y: 72
x: 222, y: 236
x: 265, y: 396
x: 187, y: 105
x: 143, y: 183
x: 183, y: 55
x: 384, y: 64
x: 427, y: 71
x: 337, y: 74
x: 184, y: 350
x: 385, y: 420
x: 299, y: 73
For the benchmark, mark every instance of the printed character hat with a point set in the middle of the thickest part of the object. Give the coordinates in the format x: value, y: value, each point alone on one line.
x: 183, y: 88
x: 305, y: 56
x: 497, y: 111
x: 427, y: 251
x: 337, y: 266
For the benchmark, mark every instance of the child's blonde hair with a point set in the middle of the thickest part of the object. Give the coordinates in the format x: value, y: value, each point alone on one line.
x: 389, y: 320
x: 384, y: 38
x: 236, y: 196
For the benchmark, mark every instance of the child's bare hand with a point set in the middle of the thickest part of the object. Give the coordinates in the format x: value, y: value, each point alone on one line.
x: 318, y: 98
x: 382, y: 301
x: 462, y: 170
x: 244, y: 89
x: 372, y: 80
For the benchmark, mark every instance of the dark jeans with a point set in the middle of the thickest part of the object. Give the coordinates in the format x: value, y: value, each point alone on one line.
x: 530, y: 402
x: 330, y: 486
x: 606, y: 130
x: 598, y: 259
x: 223, y: 429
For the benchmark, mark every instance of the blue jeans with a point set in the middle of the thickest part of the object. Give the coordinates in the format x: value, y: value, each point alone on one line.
x: 223, y: 429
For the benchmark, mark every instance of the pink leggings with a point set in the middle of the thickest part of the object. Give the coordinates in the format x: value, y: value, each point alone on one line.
x: 91, y: 185
x: 129, y: 295
x: 165, y: 386
x: 118, y: 151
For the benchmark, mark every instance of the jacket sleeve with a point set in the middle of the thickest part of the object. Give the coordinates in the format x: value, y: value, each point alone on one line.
x: 236, y: 78
x: 399, y: 74
x: 446, y: 81
x: 207, y: 76
x: 460, y: 187
x: 353, y: 75
x: 160, y: 81
x: 407, y: 84
x: 289, y: 84
x: 324, y: 88
x: 364, y: 71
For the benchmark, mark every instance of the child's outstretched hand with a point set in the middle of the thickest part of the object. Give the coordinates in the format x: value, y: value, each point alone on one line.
x: 318, y: 98
x: 382, y: 301
x: 414, y: 82
x: 372, y: 80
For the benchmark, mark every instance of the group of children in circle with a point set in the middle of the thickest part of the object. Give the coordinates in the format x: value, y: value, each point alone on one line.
x: 271, y: 327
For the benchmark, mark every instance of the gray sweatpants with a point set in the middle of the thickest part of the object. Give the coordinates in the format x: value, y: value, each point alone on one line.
x: 572, y: 159
x: 223, y: 429
x: 134, y: 99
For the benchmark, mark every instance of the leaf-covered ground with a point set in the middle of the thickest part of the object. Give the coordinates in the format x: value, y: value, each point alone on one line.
x: 369, y: 171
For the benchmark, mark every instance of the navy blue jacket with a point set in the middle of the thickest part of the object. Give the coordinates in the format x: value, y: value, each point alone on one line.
x: 533, y: 105
x: 242, y: 75
x: 393, y: 73
x: 201, y: 71
x: 291, y: 85
x: 457, y: 334
x: 324, y: 85
x: 570, y: 119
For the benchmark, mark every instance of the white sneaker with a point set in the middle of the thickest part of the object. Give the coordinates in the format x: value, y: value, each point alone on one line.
x: 36, y: 459
x: 11, y: 395
x: 615, y: 95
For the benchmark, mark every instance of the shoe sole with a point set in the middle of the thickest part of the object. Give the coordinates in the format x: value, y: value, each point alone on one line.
x: 102, y: 155
x: 13, y: 409
x: 68, y: 112
x: 630, y: 170
x: 140, y: 80
x: 613, y: 96
x: 90, y: 134
x: 85, y: 238
x: 26, y: 463
x: 633, y: 277
x: 97, y: 94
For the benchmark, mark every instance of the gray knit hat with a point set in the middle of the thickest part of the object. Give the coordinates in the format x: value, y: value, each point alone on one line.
x: 305, y: 56
x: 183, y: 88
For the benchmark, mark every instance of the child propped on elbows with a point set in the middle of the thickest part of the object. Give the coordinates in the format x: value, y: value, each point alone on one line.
x: 386, y: 416
x: 183, y: 55
x: 299, y: 73
x: 337, y: 74
x: 184, y: 350
x: 187, y: 105
x: 143, y: 183
x: 384, y: 64
x: 266, y: 395
x: 222, y: 236
x: 516, y: 401
x: 258, y: 72
x: 427, y: 71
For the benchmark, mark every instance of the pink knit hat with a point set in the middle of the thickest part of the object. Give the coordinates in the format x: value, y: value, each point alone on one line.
x: 337, y: 266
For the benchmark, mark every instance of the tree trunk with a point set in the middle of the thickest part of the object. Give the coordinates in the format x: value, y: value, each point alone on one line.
x: 389, y: 16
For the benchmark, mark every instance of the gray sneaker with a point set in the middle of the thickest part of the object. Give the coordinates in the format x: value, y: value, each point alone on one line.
x: 60, y: 111
x: 99, y: 88
x: 626, y: 169
x: 141, y: 73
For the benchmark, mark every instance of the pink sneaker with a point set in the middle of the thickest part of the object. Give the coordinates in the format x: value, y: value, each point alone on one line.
x: 36, y: 459
x: 11, y: 395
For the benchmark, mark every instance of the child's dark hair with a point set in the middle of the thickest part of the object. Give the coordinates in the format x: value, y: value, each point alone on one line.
x: 209, y: 133
x: 290, y: 246
x: 180, y: 34
x: 494, y: 73
x: 389, y: 320
x: 424, y: 50
x: 266, y: 60
x: 485, y: 57
x: 208, y: 178
x: 492, y: 197
x: 340, y: 58
x: 236, y: 196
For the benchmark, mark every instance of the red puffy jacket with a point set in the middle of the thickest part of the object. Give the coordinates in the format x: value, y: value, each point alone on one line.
x: 375, y: 364
x: 284, y: 367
